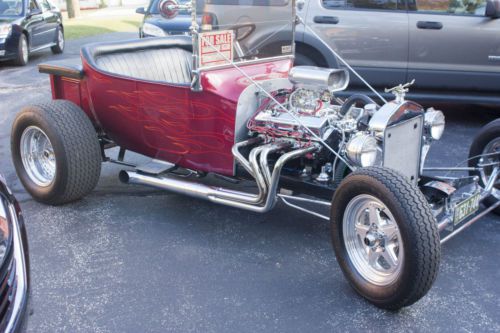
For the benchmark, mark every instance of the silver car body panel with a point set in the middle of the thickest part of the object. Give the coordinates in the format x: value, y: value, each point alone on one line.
x: 458, y: 55
x: 387, y: 48
x: 375, y: 42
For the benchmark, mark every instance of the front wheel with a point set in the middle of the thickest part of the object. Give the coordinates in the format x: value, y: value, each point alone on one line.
x: 385, y: 237
x: 56, y: 152
x: 485, y: 150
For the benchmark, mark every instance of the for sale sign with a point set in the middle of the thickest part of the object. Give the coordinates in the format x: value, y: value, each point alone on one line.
x: 216, y: 48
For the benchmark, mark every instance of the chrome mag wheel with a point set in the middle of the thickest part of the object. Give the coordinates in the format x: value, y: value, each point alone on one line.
x: 38, y: 156
x: 385, y: 237
x: 372, y: 240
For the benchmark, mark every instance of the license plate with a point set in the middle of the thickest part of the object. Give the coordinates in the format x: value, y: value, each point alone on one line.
x: 466, y: 208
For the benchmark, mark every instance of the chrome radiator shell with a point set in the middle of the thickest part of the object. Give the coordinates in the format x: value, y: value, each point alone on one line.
x: 402, y: 147
x: 392, y: 113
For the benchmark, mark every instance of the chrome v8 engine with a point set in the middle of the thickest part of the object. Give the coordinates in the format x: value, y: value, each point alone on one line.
x: 358, y: 134
x: 309, y: 104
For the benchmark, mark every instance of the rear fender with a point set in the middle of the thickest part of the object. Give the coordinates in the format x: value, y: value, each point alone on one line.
x: 68, y: 82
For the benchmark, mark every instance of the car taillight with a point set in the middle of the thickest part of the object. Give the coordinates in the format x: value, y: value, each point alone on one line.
x: 168, y: 9
x: 208, y: 21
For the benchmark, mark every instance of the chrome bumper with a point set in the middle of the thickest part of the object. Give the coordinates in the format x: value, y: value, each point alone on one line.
x: 446, y: 222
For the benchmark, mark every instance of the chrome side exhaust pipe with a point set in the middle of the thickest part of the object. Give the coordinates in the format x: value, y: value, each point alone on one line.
x: 272, y: 192
x: 262, y: 202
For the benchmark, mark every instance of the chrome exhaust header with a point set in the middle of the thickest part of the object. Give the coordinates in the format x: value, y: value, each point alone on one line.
x: 266, y: 182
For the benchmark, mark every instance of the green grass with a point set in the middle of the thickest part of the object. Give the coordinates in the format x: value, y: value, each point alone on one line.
x: 90, y: 26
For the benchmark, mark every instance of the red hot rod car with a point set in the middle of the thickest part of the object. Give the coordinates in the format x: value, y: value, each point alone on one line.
x: 226, y: 101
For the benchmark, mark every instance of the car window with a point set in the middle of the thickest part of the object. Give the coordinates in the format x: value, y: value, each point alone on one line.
x: 458, y: 7
x: 11, y: 7
x: 33, y: 5
x: 361, y: 4
x: 45, y: 5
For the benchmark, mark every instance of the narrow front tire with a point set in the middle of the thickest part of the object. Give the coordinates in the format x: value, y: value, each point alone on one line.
x: 385, y: 237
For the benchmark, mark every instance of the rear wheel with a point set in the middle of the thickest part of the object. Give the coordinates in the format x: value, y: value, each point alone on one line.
x: 56, y: 152
x: 60, y: 43
x: 385, y: 237
x: 485, y: 149
x: 22, y: 51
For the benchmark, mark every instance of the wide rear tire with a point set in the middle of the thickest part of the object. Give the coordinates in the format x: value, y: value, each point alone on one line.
x: 56, y: 152
x: 487, y: 141
x: 385, y: 237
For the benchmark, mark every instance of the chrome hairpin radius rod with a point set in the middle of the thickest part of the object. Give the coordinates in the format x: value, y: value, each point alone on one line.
x: 302, y: 209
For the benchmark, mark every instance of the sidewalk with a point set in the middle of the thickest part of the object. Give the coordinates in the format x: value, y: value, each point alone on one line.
x: 108, y: 11
x: 100, y: 21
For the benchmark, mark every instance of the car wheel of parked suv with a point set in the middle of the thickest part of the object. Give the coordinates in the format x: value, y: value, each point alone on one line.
x: 486, y: 144
x: 302, y: 60
x: 22, y: 51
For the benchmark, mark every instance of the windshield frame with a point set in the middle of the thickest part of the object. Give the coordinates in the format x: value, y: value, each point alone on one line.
x: 195, y: 30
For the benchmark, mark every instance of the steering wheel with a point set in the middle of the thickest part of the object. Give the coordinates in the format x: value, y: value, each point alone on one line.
x: 242, y: 31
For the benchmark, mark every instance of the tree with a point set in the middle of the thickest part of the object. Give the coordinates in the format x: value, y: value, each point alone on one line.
x: 73, y: 8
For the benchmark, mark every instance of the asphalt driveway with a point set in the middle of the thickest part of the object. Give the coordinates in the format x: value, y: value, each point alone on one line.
x: 132, y: 259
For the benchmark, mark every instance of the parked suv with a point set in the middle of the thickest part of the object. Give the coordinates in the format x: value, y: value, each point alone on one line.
x: 450, y: 47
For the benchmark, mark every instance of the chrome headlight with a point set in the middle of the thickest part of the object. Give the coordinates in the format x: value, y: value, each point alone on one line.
x: 5, y: 30
x: 362, y: 150
x: 153, y: 30
x: 435, y: 123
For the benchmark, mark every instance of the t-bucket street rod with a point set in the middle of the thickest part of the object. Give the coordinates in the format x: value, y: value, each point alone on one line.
x: 226, y: 102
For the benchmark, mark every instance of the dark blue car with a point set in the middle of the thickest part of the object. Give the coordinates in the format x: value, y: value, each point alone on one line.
x: 155, y: 25
x: 27, y: 26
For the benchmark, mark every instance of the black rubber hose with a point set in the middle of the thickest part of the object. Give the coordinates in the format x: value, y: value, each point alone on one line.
x: 353, y: 100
